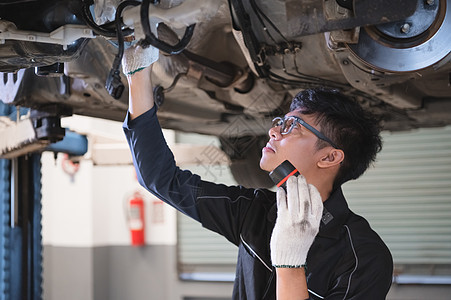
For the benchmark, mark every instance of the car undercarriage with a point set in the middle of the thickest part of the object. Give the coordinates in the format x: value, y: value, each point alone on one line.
x: 240, y: 64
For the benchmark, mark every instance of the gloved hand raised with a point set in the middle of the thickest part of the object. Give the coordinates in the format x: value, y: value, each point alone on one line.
x: 137, y: 58
x: 299, y: 212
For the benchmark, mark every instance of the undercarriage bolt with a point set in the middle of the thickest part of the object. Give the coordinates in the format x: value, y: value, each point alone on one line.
x: 405, y: 28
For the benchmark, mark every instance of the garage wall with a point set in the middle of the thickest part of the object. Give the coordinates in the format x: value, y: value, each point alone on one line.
x: 86, y: 238
x: 87, y: 253
x: 407, y: 196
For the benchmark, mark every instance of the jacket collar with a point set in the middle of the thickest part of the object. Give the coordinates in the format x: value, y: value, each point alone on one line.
x: 335, y: 213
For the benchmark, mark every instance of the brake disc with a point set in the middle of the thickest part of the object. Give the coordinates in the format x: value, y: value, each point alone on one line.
x: 420, y: 41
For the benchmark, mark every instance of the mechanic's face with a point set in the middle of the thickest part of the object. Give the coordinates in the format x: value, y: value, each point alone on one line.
x: 297, y: 146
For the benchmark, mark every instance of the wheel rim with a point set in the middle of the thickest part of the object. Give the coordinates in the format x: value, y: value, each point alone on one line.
x: 384, y: 48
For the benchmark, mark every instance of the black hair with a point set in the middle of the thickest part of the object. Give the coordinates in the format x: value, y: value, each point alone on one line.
x: 354, y: 130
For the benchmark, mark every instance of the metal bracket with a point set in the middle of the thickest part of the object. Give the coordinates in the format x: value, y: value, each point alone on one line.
x: 64, y: 35
x: 311, y: 17
x: 31, y: 134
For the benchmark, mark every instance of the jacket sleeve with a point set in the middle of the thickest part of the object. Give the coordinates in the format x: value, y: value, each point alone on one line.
x: 155, y: 165
x: 218, y: 207
x: 231, y: 210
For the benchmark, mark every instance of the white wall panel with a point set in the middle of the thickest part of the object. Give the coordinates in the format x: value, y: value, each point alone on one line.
x: 66, y: 204
x: 87, y: 209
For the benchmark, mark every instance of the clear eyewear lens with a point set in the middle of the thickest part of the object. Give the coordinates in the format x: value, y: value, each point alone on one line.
x: 288, y: 125
x: 277, y: 122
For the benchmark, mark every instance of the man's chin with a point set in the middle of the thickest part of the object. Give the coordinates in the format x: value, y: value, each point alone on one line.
x: 265, y: 166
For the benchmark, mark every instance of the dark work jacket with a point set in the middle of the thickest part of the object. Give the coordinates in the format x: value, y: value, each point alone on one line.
x: 347, y: 260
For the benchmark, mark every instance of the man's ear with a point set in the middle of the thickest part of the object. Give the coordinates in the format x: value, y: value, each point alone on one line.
x: 331, y: 158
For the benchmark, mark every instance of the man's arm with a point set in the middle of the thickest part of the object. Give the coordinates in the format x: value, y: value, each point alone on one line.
x: 291, y: 284
x: 154, y: 162
x: 157, y: 172
x: 140, y: 92
x: 299, y: 211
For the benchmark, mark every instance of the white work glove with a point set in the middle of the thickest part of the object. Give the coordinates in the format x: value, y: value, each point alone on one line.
x: 137, y: 58
x: 298, y: 219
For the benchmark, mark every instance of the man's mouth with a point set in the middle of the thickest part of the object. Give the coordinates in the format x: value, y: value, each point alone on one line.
x: 269, y: 148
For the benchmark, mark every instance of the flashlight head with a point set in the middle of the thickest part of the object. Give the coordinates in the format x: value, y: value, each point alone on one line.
x: 280, y: 174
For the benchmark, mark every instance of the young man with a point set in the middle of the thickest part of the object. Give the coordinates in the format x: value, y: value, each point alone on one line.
x: 289, y: 247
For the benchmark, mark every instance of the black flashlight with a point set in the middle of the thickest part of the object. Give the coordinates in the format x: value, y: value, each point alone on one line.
x: 281, y: 174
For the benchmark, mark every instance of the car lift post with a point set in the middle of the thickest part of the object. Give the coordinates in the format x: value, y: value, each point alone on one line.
x: 20, y: 197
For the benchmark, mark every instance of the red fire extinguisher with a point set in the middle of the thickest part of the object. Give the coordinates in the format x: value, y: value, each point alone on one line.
x: 136, y: 220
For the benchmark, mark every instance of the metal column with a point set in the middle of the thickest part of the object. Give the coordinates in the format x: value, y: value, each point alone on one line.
x: 20, y: 226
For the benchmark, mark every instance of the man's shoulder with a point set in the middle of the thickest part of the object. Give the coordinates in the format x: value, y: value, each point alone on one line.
x: 365, y: 239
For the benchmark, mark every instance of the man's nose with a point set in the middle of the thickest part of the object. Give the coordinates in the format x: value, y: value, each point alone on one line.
x: 274, y: 133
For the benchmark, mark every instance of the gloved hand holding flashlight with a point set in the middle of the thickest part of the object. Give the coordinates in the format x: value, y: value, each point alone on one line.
x: 299, y: 212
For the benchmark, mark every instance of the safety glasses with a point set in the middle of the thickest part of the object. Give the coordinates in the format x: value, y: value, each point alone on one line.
x: 289, y: 122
